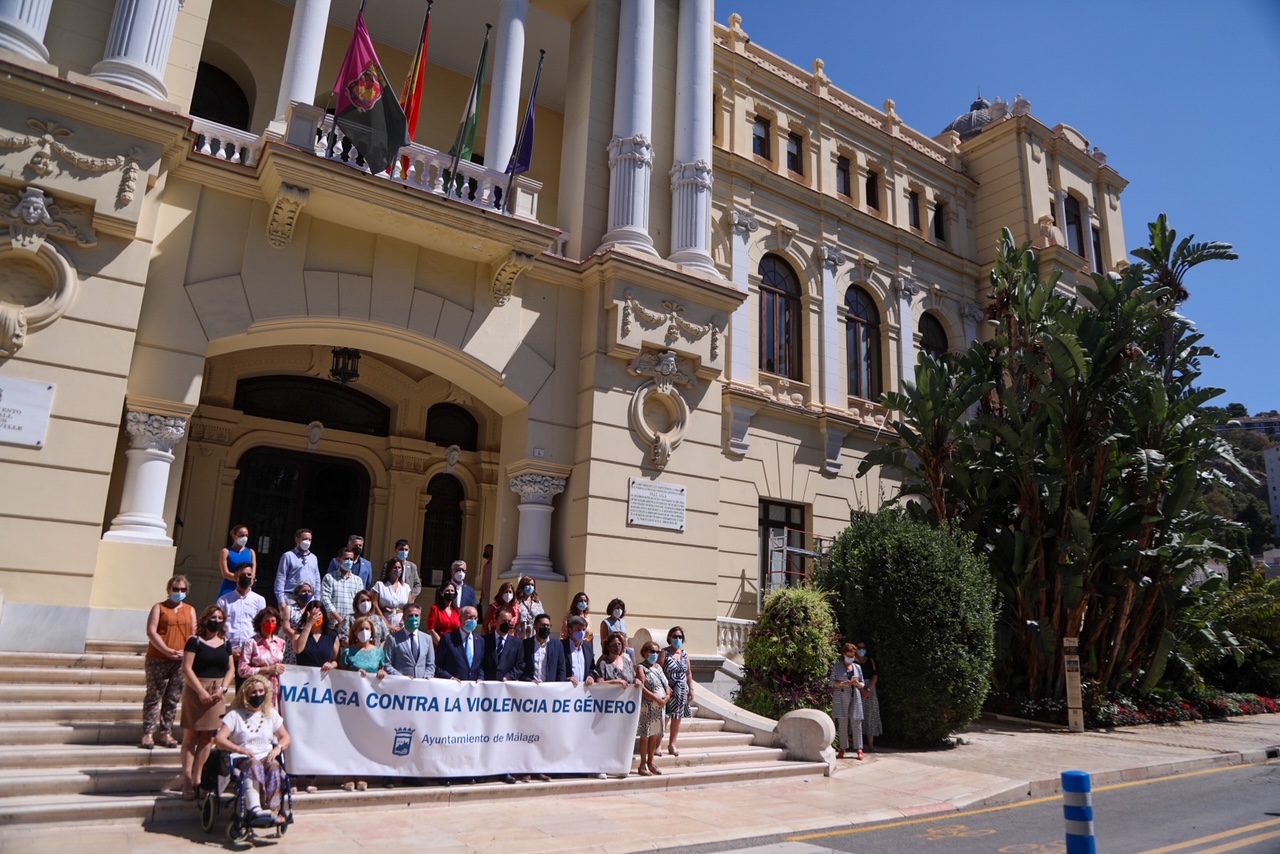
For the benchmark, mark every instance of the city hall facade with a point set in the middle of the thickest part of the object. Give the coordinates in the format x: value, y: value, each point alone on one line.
x: 644, y: 369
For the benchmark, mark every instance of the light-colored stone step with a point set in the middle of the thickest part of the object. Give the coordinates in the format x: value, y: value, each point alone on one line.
x: 74, y: 675
x: 695, y: 741
x: 84, y: 756
x: 58, y: 713
x: 690, y: 759
x: 116, y: 647
x: 87, y: 781
x: 84, y: 732
x: 71, y: 693
x: 53, y: 660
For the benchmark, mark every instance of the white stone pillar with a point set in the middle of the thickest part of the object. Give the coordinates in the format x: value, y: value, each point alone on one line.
x: 138, y: 46
x: 835, y: 388
x: 302, y: 58
x: 146, y: 479
x: 744, y: 225
x: 22, y: 26
x: 907, y: 292
x: 1086, y: 234
x: 504, y: 85
x: 533, y: 542
x: 1060, y: 198
x: 691, y: 174
x: 631, y: 149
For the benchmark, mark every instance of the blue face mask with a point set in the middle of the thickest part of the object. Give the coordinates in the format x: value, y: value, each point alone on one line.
x: 850, y: 660
x: 403, y: 555
x: 579, y: 635
x: 528, y: 590
x: 348, y: 564
x: 177, y: 598
x: 677, y: 643
x: 469, y: 626
x: 582, y: 606
x: 652, y: 658
x: 304, y: 598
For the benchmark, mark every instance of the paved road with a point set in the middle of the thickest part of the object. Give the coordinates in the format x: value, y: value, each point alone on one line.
x: 1233, y: 809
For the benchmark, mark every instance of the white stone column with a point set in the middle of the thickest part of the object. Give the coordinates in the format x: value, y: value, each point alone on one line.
x: 22, y: 26
x: 1060, y: 198
x: 744, y: 225
x: 1086, y: 234
x: 146, y: 479
x: 138, y: 46
x: 302, y: 58
x: 533, y: 543
x: 907, y: 292
x: 835, y: 388
x: 691, y: 173
x: 631, y: 149
x: 504, y: 85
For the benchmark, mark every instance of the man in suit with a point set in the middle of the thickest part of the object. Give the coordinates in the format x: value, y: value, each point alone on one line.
x: 543, y: 657
x: 362, y: 567
x: 579, y: 653
x: 461, y: 652
x: 410, y: 652
x: 505, y: 654
x: 466, y: 595
x: 411, y: 574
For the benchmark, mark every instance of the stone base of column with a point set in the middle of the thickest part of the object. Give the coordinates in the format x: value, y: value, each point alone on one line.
x: 630, y: 239
x: 130, y: 75
x: 22, y: 42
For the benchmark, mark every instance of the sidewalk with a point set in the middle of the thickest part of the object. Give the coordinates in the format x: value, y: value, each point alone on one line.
x: 1001, y: 763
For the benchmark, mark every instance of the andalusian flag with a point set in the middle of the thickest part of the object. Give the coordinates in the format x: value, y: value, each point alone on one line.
x: 374, y: 122
x: 464, y: 143
x: 411, y: 102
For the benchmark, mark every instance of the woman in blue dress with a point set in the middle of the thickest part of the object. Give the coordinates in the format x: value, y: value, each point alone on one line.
x: 235, y: 558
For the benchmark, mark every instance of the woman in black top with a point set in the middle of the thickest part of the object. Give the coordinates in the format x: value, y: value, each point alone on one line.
x: 314, y: 645
x: 871, y: 727
x: 209, y: 670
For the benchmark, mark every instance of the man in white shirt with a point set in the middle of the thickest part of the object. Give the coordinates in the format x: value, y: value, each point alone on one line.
x: 297, y: 566
x: 241, y: 606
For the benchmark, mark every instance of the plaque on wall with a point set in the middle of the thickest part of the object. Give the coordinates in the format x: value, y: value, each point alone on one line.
x: 656, y: 505
x: 24, y: 411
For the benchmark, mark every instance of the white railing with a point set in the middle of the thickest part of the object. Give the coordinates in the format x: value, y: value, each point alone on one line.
x: 309, y: 128
x: 226, y: 143
x: 731, y: 636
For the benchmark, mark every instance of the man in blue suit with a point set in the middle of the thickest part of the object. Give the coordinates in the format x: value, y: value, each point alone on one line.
x: 579, y: 653
x: 543, y: 657
x: 505, y: 653
x: 460, y: 655
x: 363, y: 568
x: 466, y: 593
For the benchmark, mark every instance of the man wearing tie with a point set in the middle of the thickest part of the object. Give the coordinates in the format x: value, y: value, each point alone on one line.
x: 506, y: 654
x: 461, y: 653
x: 543, y: 657
x: 409, y: 651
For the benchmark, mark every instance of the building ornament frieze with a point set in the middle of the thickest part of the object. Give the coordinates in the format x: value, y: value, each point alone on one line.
x: 635, y: 148
x: 672, y: 316
x: 154, y: 432
x: 37, y: 283
x: 832, y: 258
x: 743, y: 222
x: 505, y: 273
x: 33, y: 216
x: 667, y: 370
x: 210, y: 432
x: 973, y: 311
x: 905, y: 288
x: 696, y: 174
x: 49, y: 145
x: 535, y: 488
x: 285, y: 210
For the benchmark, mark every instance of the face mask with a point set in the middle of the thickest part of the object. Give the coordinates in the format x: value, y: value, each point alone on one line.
x: 268, y: 629
x: 365, y: 607
x: 862, y: 652
x: 177, y: 598
x: 347, y: 564
x: 449, y: 595
x: 582, y: 606
x: 241, y: 542
x: 245, y: 582
x: 395, y: 574
x: 459, y: 576
x: 304, y: 598
x: 507, y: 597
x: 363, y: 635
x: 395, y: 620
x: 679, y: 642
x: 318, y: 617
x: 412, y: 623
x: 403, y: 555
x: 615, y: 651
x: 652, y: 658
x: 617, y: 613
x: 305, y: 545
x: 579, y: 635
x: 256, y: 700
x: 504, y: 627
x: 544, y: 632
x: 850, y: 659
x: 528, y: 590
x: 214, y: 626
x: 469, y: 626
x: 357, y: 550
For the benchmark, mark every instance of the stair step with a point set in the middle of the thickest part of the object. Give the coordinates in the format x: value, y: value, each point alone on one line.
x: 52, y: 660
x: 99, y: 693
x: 83, y: 756
x: 76, y: 675
x: 79, y: 733
x: 70, y: 712
x: 87, y: 781
x: 116, y: 647
x: 695, y: 741
x: 690, y: 759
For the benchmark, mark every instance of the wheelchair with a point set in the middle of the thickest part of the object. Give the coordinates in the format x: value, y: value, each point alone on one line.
x: 223, y: 785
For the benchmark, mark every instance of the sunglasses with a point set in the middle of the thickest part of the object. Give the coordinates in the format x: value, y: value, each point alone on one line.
x: 179, y: 590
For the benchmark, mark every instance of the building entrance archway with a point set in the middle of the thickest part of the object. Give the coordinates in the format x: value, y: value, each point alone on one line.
x: 441, y: 528
x: 279, y: 491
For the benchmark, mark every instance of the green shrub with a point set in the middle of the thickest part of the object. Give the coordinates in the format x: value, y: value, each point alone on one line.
x: 925, y: 604
x: 788, y: 658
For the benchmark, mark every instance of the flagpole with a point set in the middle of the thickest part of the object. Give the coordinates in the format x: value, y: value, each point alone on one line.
x: 476, y: 86
x: 524, y: 128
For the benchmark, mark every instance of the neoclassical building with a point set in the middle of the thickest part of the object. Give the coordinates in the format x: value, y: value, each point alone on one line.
x: 650, y: 373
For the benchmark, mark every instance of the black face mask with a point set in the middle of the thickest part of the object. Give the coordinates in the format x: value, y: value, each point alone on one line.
x: 214, y: 626
x: 544, y: 632
x: 245, y: 582
x: 257, y: 700
x: 504, y: 627
x: 357, y: 550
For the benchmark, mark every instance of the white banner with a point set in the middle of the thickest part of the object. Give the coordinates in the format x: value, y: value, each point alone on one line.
x: 345, y: 724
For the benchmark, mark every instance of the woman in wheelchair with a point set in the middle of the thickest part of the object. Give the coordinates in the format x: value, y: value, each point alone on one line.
x: 253, y: 728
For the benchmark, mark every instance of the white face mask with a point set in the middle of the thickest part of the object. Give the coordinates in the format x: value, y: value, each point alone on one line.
x: 305, y: 545
x: 241, y: 542
x: 363, y: 635
x: 617, y: 613
x: 459, y: 576
x: 365, y: 607
x: 507, y: 597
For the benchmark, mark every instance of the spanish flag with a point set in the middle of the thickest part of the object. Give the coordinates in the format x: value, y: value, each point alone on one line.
x: 411, y: 102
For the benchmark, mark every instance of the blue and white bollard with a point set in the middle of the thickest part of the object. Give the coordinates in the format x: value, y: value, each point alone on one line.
x: 1077, y: 810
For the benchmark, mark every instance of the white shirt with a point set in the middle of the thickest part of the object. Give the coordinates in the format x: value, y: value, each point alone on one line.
x: 252, y: 732
x: 577, y: 662
x: 240, y: 612
x: 392, y: 596
x: 540, y: 661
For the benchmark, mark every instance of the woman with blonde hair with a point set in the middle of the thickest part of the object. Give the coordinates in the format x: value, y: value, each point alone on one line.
x: 208, y: 669
x: 362, y: 653
x: 255, y: 729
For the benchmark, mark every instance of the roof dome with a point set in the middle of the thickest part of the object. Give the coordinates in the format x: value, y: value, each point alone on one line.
x: 970, y: 124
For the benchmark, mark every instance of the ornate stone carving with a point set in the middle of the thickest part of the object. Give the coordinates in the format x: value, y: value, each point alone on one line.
x: 672, y: 316
x: 635, y: 148
x: 667, y: 370
x: 973, y: 311
x: 315, y: 432
x: 833, y: 436
x: 210, y: 433
x: 743, y: 222
x: 696, y: 174
x: 739, y: 416
x: 33, y: 216
x: 864, y: 267
x: 451, y: 457
x: 905, y: 288
x: 50, y: 147
x: 505, y: 274
x: 284, y: 214
x: 537, y: 488
x: 154, y: 432
x: 831, y: 257
x: 13, y: 329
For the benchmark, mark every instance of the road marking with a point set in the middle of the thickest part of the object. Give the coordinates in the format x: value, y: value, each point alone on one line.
x: 1241, y: 843
x: 952, y: 814
x: 1226, y: 834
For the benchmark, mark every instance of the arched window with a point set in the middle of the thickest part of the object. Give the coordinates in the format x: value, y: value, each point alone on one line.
x: 442, y: 528
x: 450, y: 424
x: 219, y: 98
x: 864, y: 344
x: 780, y: 318
x: 301, y: 400
x: 933, y: 338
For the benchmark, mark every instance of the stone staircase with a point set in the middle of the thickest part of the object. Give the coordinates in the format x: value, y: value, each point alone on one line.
x: 70, y: 726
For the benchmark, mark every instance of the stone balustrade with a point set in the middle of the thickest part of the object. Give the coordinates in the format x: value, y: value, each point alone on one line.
x: 731, y: 636
x: 226, y: 143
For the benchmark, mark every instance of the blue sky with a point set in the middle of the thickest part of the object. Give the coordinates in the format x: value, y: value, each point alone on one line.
x: 1183, y: 97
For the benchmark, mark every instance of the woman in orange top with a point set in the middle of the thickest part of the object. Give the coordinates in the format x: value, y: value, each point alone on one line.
x: 505, y: 600
x: 169, y: 625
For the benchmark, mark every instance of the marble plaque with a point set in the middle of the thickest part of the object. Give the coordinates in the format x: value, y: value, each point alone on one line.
x: 24, y: 411
x: 656, y: 505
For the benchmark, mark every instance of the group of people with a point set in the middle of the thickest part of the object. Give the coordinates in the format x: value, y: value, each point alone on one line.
x: 239, y: 647
x: 854, y: 704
